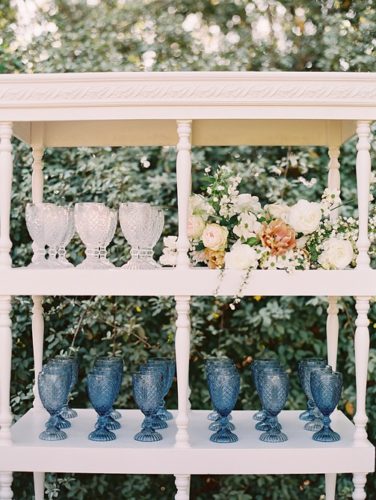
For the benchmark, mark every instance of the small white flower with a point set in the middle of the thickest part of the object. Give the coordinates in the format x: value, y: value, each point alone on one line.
x: 246, y: 203
x: 305, y: 216
x: 248, y: 226
x: 241, y: 257
x: 168, y: 259
x: 198, y: 205
x: 337, y: 254
x: 170, y: 242
x: 278, y: 211
x: 207, y: 170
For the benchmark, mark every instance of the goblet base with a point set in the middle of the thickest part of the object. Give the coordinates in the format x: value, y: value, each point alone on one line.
x: 52, y: 434
x: 64, y: 262
x: 158, y: 423
x: 44, y: 264
x: 306, y: 416
x: 148, y: 436
x: 115, y: 414
x: 68, y: 413
x: 61, y: 423
x: 135, y: 264
x: 112, y: 424
x: 313, y: 425
x: 215, y: 426
x: 224, y: 436
x: 273, y: 437
x: 259, y: 415
x: 92, y: 264
x: 213, y: 415
x: 326, y: 436
x: 102, y: 435
x: 107, y: 263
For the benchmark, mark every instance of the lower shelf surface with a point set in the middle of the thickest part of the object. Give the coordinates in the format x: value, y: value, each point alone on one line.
x: 299, y: 455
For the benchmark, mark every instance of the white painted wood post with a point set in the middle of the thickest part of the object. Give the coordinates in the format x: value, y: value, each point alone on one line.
x: 361, y: 368
x: 330, y: 486
x: 183, y: 176
x: 39, y: 485
x: 182, y: 482
x: 359, y: 481
x: 182, y: 350
x: 6, y: 173
x: 6, y: 492
x: 363, y: 172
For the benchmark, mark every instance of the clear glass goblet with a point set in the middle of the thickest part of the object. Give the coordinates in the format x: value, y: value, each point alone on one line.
x: 326, y: 390
x: 102, y: 249
x: 69, y: 232
x: 53, y: 391
x: 55, y: 226
x: 35, y: 227
x: 147, y: 393
x: 315, y: 422
x: 117, y: 363
x: 224, y: 386
x: 102, y: 391
x: 93, y: 222
x: 257, y: 367
x: 141, y: 224
x: 72, y: 362
x: 274, y: 386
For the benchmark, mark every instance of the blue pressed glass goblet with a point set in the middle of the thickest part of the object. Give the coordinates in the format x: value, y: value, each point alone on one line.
x: 326, y: 390
x: 307, y: 415
x: 102, y: 391
x: 209, y: 363
x: 114, y: 374
x: 162, y: 370
x: 264, y: 424
x: 114, y: 361
x: 53, y: 391
x: 170, y: 367
x: 274, y: 388
x: 257, y: 367
x: 71, y: 361
x: 314, y: 423
x: 58, y: 368
x: 212, y: 370
x: 224, y: 386
x: 147, y: 391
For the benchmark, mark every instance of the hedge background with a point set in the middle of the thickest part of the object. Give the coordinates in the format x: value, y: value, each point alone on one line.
x: 115, y: 35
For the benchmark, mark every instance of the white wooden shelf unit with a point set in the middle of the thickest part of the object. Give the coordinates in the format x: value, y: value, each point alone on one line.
x: 185, y: 109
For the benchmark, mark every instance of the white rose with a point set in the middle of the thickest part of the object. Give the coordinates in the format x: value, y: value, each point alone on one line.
x: 170, y: 242
x: 214, y: 237
x: 279, y: 211
x: 198, y: 205
x: 337, y: 254
x: 241, y: 257
x: 248, y: 226
x: 305, y: 216
x: 168, y: 258
x: 196, y: 225
x: 246, y: 203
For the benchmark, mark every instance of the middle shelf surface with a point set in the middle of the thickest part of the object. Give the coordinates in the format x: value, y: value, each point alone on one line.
x: 299, y: 455
x: 193, y: 281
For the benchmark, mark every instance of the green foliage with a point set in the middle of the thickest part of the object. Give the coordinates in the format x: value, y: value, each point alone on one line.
x: 111, y: 36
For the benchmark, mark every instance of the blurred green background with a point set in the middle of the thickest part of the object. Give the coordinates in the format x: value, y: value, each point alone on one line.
x: 155, y: 35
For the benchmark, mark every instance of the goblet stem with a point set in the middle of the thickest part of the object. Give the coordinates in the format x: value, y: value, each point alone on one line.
x: 259, y: 415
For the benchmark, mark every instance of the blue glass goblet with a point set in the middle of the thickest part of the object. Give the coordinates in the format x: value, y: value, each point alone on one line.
x: 114, y: 361
x: 170, y: 366
x: 224, y: 386
x: 257, y: 367
x: 53, y: 391
x: 307, y: 415
x: 264, y: 424
x: 326, y: 390
x: 67, y: 411
x: 212, y: 370
x: 112, y: 372
x: 314, y: 423
x: 274, y: 388
x: 147, y: 391
x: 102, y: 391
x: 162, y: 369
x: 209, y: 363
x: 54, y: 366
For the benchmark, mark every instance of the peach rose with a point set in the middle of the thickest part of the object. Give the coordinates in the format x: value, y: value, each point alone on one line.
x: 214, y: 259
x: 278, y: 236
x: 214, y: 237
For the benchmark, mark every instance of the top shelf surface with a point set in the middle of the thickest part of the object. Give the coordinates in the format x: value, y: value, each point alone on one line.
x: 111, y: 109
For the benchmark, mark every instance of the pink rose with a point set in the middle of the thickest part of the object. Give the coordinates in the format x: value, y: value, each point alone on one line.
x: 214, y: 237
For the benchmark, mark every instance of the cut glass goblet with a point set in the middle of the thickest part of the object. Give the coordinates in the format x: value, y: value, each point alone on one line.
x: 147, y: 392
x: 72, y: 362
x: 257, y: 367
x: 326, y: 390
x: 53, y: 391
x: 101, y: 391
x: 307, y: 365
x: 274, y: 386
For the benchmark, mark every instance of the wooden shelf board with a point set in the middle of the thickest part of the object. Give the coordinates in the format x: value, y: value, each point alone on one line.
x: 300, y: 454
x: 198, y: 281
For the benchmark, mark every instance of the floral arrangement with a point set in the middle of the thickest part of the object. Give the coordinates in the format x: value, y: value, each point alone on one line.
x: 231, y: 230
